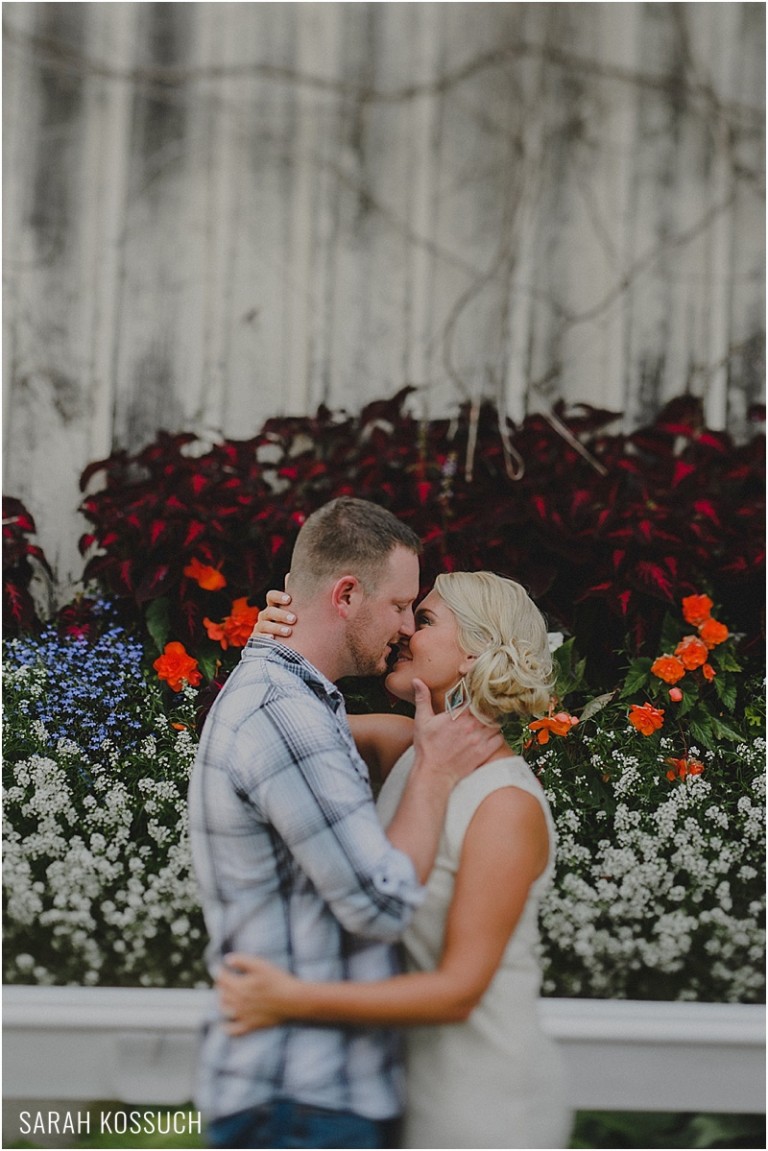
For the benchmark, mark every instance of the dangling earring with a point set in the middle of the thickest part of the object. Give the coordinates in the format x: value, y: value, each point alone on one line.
x: 457, y: 699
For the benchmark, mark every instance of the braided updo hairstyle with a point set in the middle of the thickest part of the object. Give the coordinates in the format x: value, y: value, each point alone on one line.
x: 501, y: 626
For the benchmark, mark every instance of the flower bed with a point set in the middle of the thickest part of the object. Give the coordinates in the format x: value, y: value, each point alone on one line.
x: 653, y: 757
x: 97, y: 880
x: 658, y: 797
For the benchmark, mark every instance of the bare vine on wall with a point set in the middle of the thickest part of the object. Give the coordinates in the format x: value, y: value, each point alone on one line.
x: 537, y: 105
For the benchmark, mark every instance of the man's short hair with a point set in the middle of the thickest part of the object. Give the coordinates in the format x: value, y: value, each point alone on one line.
x: 347, y: 535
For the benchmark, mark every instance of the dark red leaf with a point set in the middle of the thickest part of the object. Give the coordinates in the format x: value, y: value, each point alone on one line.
x: 658, y: 578
x: 154, y: 584
x: 681, y: 471
x: 194, y: 530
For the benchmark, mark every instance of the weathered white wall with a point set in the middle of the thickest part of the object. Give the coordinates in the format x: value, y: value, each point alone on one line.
x: 219, y: 212
x: 140, y: 1045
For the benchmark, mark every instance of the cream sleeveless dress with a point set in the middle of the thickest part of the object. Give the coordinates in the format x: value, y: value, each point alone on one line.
x: 494, y: 1080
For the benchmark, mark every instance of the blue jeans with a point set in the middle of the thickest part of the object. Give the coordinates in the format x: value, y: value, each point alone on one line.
x: 286, y: 1123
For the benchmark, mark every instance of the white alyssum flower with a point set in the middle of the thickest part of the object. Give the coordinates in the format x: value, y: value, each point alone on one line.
x: 661, y: 884
x: 99, y: 890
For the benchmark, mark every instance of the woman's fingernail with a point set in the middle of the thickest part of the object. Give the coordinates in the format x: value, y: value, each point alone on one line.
x: 291, y: 618
x: 285, y: 631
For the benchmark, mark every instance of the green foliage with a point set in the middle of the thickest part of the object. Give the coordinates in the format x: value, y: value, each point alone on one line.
x: 637, y: 677
x: 658, y: 1129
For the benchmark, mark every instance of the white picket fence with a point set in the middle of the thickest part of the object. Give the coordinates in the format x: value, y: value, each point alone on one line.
x: 137, y: 1045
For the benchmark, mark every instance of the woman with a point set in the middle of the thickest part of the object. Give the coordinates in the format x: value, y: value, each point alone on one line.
x: 480, y: 1071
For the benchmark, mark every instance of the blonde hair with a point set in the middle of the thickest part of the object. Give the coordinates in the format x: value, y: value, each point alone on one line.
x: 500, y: 625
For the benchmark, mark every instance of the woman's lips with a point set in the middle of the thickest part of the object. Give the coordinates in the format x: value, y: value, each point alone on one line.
x: 395, y: 657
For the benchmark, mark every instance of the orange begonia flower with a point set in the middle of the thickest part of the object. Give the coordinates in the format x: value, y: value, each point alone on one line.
x: 176, y: 667
x: 646, y: 718
x: 216, y: 631
x: 235, y: 630
x: 691, y: 652
x: 708, y: 671
x: 682, y: 767
x: 675, y: 694
x: 696, y: 609
x: 559, y: 724
x: 669, y: 668
x: 713, y: 632
x: 208, y: 578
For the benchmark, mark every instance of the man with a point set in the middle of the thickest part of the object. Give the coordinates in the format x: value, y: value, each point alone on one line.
x: 290, y: 857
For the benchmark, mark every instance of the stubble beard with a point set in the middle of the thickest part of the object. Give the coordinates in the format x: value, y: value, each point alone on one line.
x: 364, y: 661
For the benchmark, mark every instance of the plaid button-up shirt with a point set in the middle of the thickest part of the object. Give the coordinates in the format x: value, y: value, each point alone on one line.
x: 293, y: 866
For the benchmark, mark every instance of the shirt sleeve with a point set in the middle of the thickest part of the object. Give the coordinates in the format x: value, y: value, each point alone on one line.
x: 314, y: 792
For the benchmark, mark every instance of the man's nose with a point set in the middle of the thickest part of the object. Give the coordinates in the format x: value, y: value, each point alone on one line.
x: 407, y: 623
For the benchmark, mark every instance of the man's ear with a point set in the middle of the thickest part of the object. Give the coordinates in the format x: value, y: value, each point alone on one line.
x: 346, y: 595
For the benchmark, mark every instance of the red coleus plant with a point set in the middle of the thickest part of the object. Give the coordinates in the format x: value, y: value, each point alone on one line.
x: 22, y: 559
x: 181, y: 533
x: 607, y: 531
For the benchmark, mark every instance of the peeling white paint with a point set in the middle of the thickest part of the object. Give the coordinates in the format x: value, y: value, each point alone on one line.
x: 216, y: 213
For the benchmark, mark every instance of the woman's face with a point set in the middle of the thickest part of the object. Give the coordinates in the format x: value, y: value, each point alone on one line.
x: 432, y: 654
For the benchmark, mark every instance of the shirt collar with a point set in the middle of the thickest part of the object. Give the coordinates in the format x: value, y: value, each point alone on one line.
x: 273, y: 651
